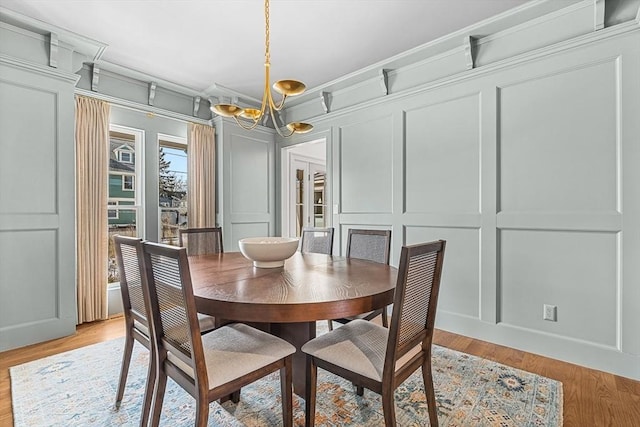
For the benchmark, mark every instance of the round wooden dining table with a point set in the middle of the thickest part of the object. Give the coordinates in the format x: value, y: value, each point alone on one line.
x: 287, y: 301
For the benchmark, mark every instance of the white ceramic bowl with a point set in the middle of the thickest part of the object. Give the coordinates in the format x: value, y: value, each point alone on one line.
x: 268, y: 252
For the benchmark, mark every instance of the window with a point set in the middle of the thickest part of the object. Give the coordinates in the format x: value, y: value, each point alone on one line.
x: 128, y: 183
x: 124, y: 210
x: 125, y: 156
x: 172, y: 187
x: 112, y: 213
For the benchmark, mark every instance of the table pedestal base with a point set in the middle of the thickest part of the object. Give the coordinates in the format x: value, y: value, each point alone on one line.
x: 297, y: 334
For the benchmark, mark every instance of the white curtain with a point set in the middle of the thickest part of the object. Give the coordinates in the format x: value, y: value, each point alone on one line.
x: 92, y: 160
x: 201, y: 160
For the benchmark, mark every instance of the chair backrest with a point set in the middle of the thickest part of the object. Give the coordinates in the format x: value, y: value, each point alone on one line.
x: 201, y: 241
x: 317, y: 240
x: 370, y: 245
x: 130, y: 261
x: 415, y: 301
x: 174, y: 318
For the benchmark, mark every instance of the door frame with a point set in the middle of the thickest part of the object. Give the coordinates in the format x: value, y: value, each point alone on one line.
x: 287, y: 154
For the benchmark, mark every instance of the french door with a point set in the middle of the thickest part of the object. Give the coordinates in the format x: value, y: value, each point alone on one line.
x: 308, y: 206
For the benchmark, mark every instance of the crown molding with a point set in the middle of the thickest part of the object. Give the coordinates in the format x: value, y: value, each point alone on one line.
x: 519, y: 17
x: 93, y: 49
x: 593, y: 37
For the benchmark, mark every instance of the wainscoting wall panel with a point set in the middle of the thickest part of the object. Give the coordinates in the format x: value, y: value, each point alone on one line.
x: 439, y: 148
x: 575, y: 271
x: 18, y: 185
x: 366, y: 171
x: 41, y: 300
x: 558, y: 141
x: 460, y: 292
x: 37, y: 218
x: 529, y: 171
x: 250, y: 163
x: 245, y: 180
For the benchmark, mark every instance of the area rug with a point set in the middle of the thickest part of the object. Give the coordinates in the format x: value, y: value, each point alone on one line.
x: 78, y: 388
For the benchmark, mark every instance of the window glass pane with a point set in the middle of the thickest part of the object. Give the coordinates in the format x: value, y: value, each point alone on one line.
x: 124, y: 225
x: 122, y: 212
x: 128, y: 182
x: 172, y: 190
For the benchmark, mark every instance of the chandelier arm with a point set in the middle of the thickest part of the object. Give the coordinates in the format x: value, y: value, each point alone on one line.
x: 275, y: 122
x: 278, y: 107
x: 251, y: 127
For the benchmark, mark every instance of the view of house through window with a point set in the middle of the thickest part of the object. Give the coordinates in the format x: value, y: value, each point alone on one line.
x: 124, y: 204
x: 172, y: 192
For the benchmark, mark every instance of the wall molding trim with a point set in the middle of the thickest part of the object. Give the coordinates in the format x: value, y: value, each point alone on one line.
x: 39, y: 69
x: 580, y: 41
x: 142, y: 107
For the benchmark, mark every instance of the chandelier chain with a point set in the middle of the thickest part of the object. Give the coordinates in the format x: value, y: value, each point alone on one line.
x: 267, y: 54
x: 268, y: 107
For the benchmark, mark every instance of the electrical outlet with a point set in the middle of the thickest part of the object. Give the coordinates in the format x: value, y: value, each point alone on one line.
x: 550, y: 313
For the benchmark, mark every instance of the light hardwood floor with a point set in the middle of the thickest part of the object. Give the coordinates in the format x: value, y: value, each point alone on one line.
x: 591, y: 398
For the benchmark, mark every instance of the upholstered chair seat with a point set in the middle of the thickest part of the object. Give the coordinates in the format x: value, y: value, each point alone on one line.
x: 359, y: 346
x: 236, y: 350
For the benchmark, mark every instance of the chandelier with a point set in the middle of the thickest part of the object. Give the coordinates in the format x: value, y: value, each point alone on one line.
x: 248, y: 118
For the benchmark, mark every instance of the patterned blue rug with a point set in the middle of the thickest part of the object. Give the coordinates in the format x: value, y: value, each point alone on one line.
x: 78, y: 388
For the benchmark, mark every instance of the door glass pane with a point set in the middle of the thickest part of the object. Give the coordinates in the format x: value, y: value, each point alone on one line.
x: 299, y: 201
x: 172, y: 190
x: 319, y: 204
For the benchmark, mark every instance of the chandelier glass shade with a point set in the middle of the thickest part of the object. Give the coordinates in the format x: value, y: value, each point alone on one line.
x: 249, y: 118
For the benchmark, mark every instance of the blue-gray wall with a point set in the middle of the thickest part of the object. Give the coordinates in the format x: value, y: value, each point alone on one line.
x: 518, y: 147
x: 525, y: 161
x: 37, y: 191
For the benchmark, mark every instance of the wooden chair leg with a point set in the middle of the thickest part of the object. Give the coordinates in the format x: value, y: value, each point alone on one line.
x: 359, y: 390
x: 202, y: 411
x: 286, y: 386
x: 388, y: 407
x: 385, y: 318
x: 148, y: 391
x: 124, y: 369
x: 158, y: 397
x: 310, y: 393
x: 330, y: 323
x: 427, y: 377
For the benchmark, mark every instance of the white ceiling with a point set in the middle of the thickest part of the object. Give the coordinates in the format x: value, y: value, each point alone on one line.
x: 199, y: 43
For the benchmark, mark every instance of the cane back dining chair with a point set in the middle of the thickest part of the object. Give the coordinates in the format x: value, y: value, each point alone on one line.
x: 130, y: 261
x: 201, y: 241
x: 317, y: 240
x: 210, y: 366
x: 369, y: 355
x: 369, y: 245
